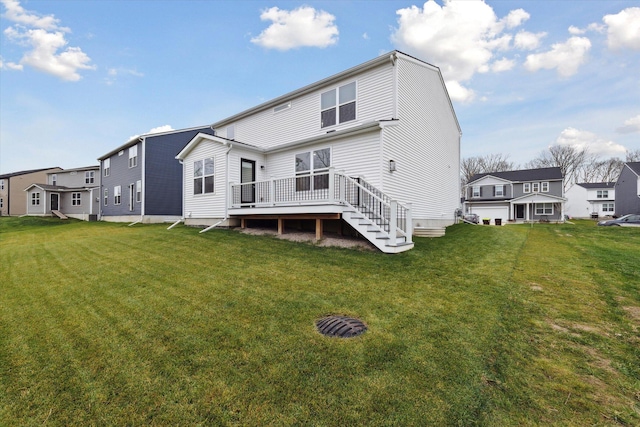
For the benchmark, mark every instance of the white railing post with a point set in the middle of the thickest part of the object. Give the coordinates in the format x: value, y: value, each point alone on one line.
x: 409, y: 229
x: 231, y: 184
x: 272, y: 191
x: 393, y: 223
x: 332, y: 188
x: 343, y: 187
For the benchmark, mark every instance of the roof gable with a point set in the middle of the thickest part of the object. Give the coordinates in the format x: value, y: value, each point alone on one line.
x: 591, y: 185
x: 634, y: 166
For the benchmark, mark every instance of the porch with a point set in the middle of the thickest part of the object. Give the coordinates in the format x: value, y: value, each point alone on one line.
x: 327, y: 195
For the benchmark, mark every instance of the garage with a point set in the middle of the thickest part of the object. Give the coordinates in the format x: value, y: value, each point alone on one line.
x: 500, y: 212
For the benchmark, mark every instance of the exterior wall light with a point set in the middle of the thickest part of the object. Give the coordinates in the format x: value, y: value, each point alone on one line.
x: 392, y: 165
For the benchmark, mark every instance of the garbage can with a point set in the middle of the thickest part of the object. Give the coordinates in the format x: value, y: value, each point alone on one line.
x: 498, y: 221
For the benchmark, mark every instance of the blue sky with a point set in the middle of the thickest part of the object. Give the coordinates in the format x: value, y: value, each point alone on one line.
x: 78, y: 78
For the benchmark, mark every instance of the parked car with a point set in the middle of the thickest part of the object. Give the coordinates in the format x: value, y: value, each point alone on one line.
x: 474, y: 218
x: 631, y: 220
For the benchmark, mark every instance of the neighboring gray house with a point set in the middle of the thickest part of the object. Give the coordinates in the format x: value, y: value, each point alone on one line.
x: 590, y: 199
x: 142, y: 180
x: 13, y: 199
x: 67, y: 193
x: 628, y: 190
x: 375, y: 147
x: 520, y: 195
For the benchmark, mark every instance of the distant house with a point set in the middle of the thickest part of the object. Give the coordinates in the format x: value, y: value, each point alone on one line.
x: 520, y: 195
x: 588, y: 200
x: 13, y: 199
x: 628, y: 190
x: 142, y: 180
x: 72, y: 193
x: 376, y: 147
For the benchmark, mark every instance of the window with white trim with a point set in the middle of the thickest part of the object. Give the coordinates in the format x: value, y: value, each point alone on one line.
x: 76, y: 199
x: 117, y: 195
x: 544, y: 187
x: 133, y: 156
x: 475, y: 191
x: 535, y: 186
x: 338, y: 105
x: 544, y: 208
x: 203, y: 176
x: 602, y: 194
x: 106, y: 196
x: 499, y: 190
x: 106, y: 166
x: 35, y: 199
x: 53, y: 179
x: 138, y: 191
x: 608, y: 207
x: 315, y: 163
x: 89, y: 177
x: 526, y: 187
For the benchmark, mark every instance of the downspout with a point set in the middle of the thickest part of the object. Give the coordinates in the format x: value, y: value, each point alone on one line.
x: 226, y: 197
x: 142, y: 178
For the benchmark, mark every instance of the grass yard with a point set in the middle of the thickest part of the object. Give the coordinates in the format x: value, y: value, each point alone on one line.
x: 105, y: 324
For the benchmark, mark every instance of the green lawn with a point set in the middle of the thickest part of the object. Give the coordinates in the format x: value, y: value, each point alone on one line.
x: 105, y: 324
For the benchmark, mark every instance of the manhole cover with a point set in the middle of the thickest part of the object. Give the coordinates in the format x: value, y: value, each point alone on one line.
x: 341, y: 326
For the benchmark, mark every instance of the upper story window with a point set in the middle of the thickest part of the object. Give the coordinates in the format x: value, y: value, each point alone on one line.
x: 475, y: 191
x: 526, y: 187
x: 106, y: 167
x: 544, y: 187
x: 499, y: 190
x: 133, y: 156
x: 35, y: 199
x: 54, y: 179
x: 315, y: 163
x: 535, y: 186
x: 89, y: 177
x: 76, y: 199
x: 1, y: 184
x: 203, y: 176
x: 338, y: 105
x: 602, y: 194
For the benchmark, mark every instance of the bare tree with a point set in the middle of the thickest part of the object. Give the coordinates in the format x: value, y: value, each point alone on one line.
x: 633, y: 156
x: 471, y: 166
x: 595, y: 170
x: 570, y: 159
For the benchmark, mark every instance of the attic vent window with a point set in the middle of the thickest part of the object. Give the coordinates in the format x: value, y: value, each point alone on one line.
x: 341, y: 326
x: 282, y: 107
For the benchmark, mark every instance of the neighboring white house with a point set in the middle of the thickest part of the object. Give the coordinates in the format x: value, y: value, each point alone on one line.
x: 588, y: 200
x: 377, y: 146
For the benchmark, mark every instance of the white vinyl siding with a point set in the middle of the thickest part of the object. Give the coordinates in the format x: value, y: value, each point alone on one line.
x: 425, y: 146
x: 266, y: 129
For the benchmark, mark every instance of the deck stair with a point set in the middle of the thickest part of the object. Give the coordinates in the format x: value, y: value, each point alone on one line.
x: 59, y: 214
x: 377, y: 218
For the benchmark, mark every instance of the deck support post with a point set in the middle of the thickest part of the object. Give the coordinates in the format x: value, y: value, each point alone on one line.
x: 280, y: 225
x: 319, y: 230
x: 243, y: 223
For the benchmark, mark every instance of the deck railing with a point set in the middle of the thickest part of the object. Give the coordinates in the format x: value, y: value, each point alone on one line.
x: 324, y: 188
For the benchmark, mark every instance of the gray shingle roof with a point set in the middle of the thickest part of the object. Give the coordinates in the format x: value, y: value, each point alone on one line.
x: 12, y: 174
x: 634, y: 166
x: 597, y: 184
x: 524, y: 175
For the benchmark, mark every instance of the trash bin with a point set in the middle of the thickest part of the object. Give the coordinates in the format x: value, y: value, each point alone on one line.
x: 498, y: 221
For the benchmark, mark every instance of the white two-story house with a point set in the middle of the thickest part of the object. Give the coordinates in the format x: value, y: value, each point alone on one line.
x: 591, y: 200
x: 376, y: 147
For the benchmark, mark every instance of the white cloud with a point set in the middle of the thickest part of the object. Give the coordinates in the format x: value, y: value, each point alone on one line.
x: 565, y: 57
x: 460, y: 37
x: 47, y: 41
x: 623, y: 29
x: 10, y: 65
x: 528, y: 41
x: 575, y: 31
x: 365, y: 36
x: 631, y: 125
x: 503, y: 64
x: 301, y: 27
x: 589, y: 140
x: 160, y: 129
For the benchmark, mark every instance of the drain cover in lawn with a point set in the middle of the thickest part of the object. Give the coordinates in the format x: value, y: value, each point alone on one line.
x: 341, y: 326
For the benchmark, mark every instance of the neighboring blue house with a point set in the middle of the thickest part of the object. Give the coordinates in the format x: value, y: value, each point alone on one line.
x: 520, y: 195
x: 142, y: 180
x: 628, y: 190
